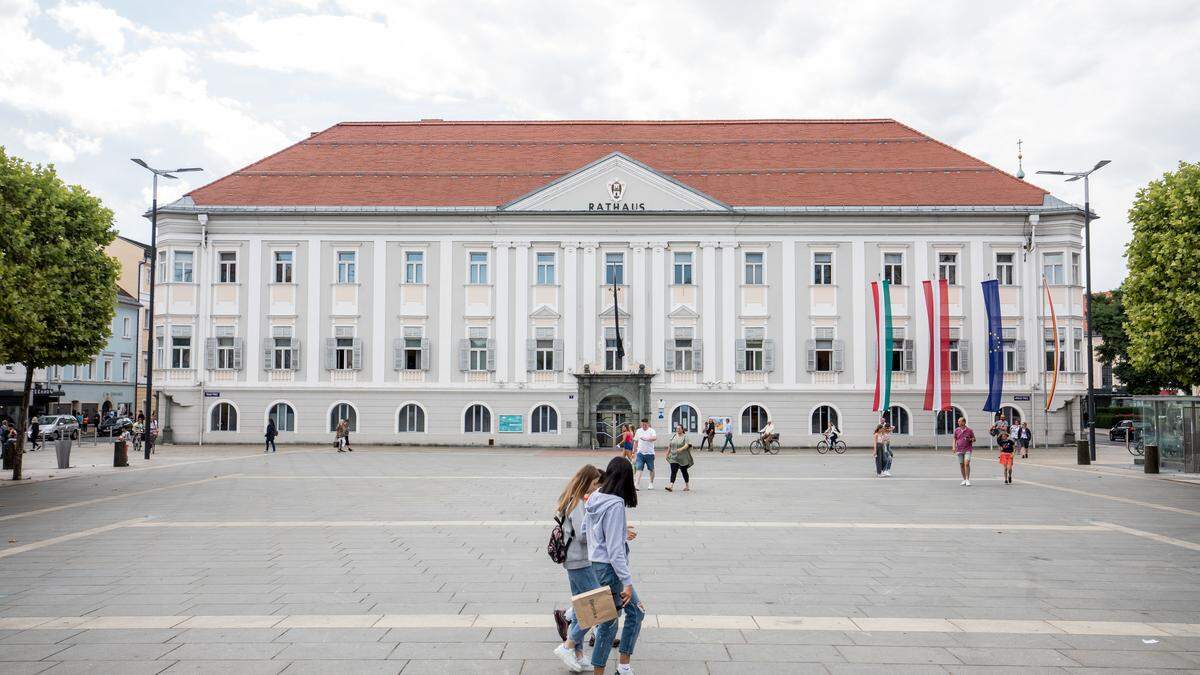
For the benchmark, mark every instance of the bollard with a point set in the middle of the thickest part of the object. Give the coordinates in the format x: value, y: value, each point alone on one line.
x: 62, y: 446
x: 1083, y: 456
x: 120, y: 454
x: 1151, y: 465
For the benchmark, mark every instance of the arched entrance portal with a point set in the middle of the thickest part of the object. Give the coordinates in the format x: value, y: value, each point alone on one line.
x: 611, y: 412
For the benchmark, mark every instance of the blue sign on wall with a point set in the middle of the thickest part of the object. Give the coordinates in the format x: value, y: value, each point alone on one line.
x: 511, y: 424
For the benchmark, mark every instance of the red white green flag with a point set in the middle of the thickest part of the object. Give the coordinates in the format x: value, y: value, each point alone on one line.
x: 937, y: 311
x: 881, y: 294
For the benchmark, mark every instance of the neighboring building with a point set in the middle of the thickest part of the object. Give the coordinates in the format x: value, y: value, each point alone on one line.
x: 453, y: 282
x: 134, y: 279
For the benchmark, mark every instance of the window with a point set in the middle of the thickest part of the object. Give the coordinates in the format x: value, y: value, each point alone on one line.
x: 683, y: 268
x: 1052, y: 268
x: 159, y: 355
x: 1077, y: 350
x: 754, y: 418
x: 544, y: 420
x: 181, y: 351
x: 682, y: 348
x: 227, y: 267
x: 902, y: 351
x: 1011, y: 414
x: 614, y: 359
x: 414, y: 267
x: 823, y: 418
x: 477, y: 350
x: 545, y: 269
x: 753, y: 351
x: 614, y: 268
x: 283, y: 266
x: 107, y: 370
x: 477, y: 420
x: 1013, y: 351
x: 85, y: 371
x: 347, y: 267
x: 543, y: 353
x: 225, y: 349
x: 224, y: 417
x: 126, y: 327
x: 162, y: 267
x: 821, y: 355
x: 343, y: 353
x: 411, y: 420
x: 822, y: 269
x: 1005, y: 266
x: 893, y: 268
x: 754, y: 267
x: 283, y: 351
x: 69, y: 373
x: 413, y: 349
x: 478, y: 268
x: 947, y: 420
x: 1076, y: 279
x: 948, y: 268
x: 898, y: 418
x: 284, y: 417
x: 685, y: 415
x: 955, y: 349
x: 183, y: 267
x: 343, y: 411
x: 124, y: 371
x: 1048, y: 338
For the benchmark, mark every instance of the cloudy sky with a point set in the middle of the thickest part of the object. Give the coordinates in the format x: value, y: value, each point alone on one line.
x: 86, y: 85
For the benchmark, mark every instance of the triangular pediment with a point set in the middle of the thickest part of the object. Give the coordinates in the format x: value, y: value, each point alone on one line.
x: 544, y: 312
x: 683, y: 312
x: 607, y: 313
x: 615, y: 184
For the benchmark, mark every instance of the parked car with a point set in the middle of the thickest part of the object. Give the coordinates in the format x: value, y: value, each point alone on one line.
x: 1134, y: 428
x: 112, y: 426
x: 53, y: 426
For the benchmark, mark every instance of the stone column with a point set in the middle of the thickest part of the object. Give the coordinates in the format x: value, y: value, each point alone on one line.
x: 251, y: 271
x: 520, y: 312
x: 636, y: 301
x: 859, y: 299
x: 729, y: 309
x: 588, y: 287
x: 314, y: 347
x: 500, y: 304
x: 787, y: 348
x: 709, y: 316
x: 446, y: 344
x: 658, y: 313
x: 380, y: 351
x: 569, y: 306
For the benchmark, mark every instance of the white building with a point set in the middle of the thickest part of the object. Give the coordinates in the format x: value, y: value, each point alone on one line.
x: 452, y: 282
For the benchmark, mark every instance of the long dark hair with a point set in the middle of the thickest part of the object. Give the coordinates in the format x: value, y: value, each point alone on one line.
x: 618, y: 481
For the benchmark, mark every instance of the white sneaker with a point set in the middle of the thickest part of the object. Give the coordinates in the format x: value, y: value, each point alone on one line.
x: 887, y: 474
x: 650, y: 486
x: 624, y: 669
x: 568, y: 657
x: 962, y: 482
x: 967, y: 483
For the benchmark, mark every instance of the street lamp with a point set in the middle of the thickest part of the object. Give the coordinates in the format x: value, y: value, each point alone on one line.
x: 153, y: 262
x: 1087, y: 298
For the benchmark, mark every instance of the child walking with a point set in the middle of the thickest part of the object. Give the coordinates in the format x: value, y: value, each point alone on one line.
x: 1007, y: 446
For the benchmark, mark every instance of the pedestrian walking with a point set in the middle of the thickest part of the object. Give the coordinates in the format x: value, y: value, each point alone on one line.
x: 627, y: 441
x: 153, y: 431
x: 1024, y: 438
x: 35, y: 434
x: 644, y: 439
x: 341, y: 436
x: 1007, y: 446
x: 728, y: 439
x: 608, y: 536
x: 964, y: 443
x: 272, y: 432
x: 877, y: 448
x: 568, y: 513
x: 679, y: 456
x: 885, y: 451
x: 999, y: 426
x: 710, y: 433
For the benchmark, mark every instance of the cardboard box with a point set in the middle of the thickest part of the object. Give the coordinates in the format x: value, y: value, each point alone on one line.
x: 594, y: 607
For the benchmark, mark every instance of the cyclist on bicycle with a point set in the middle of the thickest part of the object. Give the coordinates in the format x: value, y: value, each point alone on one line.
x: 831, y: 434
x: 767, y: 433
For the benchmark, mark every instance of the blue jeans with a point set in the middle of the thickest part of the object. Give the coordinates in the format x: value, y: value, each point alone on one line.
x: 643, y: 462
x: 581, y: 580
x: 605, y: 632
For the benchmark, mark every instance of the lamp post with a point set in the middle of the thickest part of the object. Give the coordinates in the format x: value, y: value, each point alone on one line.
x: 153, y: 274
x: 1087, y: 298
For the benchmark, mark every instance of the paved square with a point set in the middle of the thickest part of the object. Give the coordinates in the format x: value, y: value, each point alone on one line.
x: 393, y: 560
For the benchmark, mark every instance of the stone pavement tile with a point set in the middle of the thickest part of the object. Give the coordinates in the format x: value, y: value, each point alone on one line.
x: 426, y: 621
x: 1001, y: 656
x: 123, y: 609
x: 34, y: 652
x: 797, y: 637
x: 1106, y: 628
x: 225, y: 651
x: 447, y: 650
x: 743, y: 668
x: 686, y: 635
x: 234, y: 598
x: 465, y: 667
x: 1009, y: 670
x: 833, y: 623
x: 26, y: 667
x: 1005, y: 626
x: 446, y: 634
x: 1128, y: 643
x: 653, y: 651
x: 1023, y: 641
x: 9, y: 625
x: 906, y: 624
x: 329, y: 621
x: 346, y: 668
x: 107, y: 668
x: 115, y: 636
x: 783, y: 652
x: 39, y: 637
x: 310, y: 651
x: 647, y: 666
x: 885, y: 669
x: 1128, y: 659
x: 108, y: 652
x: 199, y: 635
x: 232, y: 609
x: 326, y: 609
x: 894, y: 655
x: 132, y: 622
x: 235, y: 621
x: 226, y: 668
x: 694, y: 621
x: 332, y: 635
x: 901, y: 639
x: 1192, y: 629
x: 430, y: 608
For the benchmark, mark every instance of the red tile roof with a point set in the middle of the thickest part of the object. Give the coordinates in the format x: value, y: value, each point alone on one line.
x: 741, y: 163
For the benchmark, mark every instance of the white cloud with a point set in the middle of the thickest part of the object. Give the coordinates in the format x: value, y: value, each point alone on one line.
x: 61, y: 147
x: 91, y: 21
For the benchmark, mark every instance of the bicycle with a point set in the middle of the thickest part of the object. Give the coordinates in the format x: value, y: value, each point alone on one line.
x: 772, y: 447
x: 825, y: 446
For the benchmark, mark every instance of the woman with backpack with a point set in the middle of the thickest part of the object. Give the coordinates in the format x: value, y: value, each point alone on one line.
x: 607, y: 535
x: 568, y: 546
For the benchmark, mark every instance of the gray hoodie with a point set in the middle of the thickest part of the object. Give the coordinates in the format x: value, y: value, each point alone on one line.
x: 577, y: 550
x: 606, y: 528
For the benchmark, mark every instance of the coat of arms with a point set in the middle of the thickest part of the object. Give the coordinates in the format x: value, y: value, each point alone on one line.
x: 616, y: 189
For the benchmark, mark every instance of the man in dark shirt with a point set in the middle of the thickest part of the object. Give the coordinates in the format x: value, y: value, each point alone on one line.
x: 35, y: 434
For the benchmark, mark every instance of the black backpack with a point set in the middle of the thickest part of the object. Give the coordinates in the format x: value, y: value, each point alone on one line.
x: 559, y: 542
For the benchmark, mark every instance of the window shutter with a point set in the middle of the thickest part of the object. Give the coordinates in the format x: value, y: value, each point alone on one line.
x: 425, y: 354
x: 330, y: 353
x: 464, y: 355
x: 357, y: 355
x: 964, y: 356
x: 908, y: 356
x: 839, y: 355
x: 669, y: 356
x: 769, y: 355
x: 739, y: 346
x: 491, y: 356
x: 268, y: 347
x: 237, y: 353
x: 398, y: 354
x: 811, y: 347
x: 295, y: 353
x: 558, y: 355
x: 210, y: 353
x: 530, y: 354
x: 1020, y: 356
x: 698, y: 355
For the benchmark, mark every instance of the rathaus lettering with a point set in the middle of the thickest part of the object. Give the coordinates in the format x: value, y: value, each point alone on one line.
x: 613, y: 206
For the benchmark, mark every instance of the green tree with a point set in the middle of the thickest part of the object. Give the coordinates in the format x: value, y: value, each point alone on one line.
x: 1162, y: 297
x: 58, y: 285
x: 1108, y: 321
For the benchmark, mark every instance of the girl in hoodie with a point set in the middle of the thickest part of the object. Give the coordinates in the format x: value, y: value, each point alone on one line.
x: 579, y: 568
x: 607, y: 533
